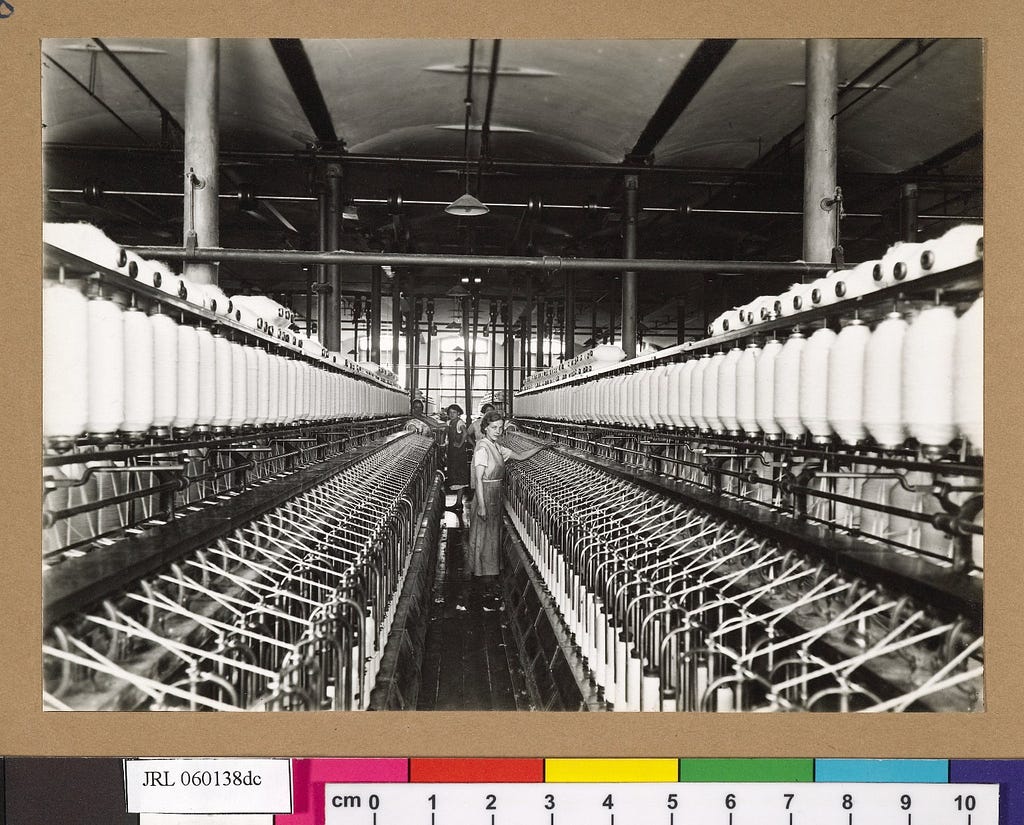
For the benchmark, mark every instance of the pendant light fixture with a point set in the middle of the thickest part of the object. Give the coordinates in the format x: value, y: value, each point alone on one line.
x: 467, y: 206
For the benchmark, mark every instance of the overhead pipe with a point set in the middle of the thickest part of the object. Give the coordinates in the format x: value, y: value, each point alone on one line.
x: 940, y: 181
x: 581, y: 207
x: 629, y: 277
x: 202, y: 142
x: 820, y: 150
x: 547, y: 263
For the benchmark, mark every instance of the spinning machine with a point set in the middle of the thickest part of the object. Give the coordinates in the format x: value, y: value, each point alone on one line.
x: 786, y: 515
x: 783, y: 516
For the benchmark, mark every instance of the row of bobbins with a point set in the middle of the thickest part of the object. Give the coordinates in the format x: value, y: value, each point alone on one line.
x: 902, y: 263
x: 917, y: 374
x: 109, y: 368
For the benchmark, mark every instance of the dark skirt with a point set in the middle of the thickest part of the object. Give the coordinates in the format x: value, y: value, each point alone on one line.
x: 483, y: 550
x: 458, y: 466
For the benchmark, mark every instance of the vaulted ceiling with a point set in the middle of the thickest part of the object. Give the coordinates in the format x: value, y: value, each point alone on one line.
x: 712, y: 128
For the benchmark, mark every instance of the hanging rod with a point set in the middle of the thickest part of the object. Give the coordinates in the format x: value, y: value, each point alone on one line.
x: 548, y: 263
x: 584, y: 207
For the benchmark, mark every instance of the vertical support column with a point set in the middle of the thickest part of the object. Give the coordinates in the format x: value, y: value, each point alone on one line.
x: 411, y: 335
x: 680, y: 321
x: 202, y: 146
x: 509, y: 352
x: 908, y: 212
x: 396, y: 318
x: 541, y: 335
x: 323, y: 209
x: 373, y: 314
x: 629, y: 299
x: 466, y: 366
x: 430, y: 334
x: 569, y: 322
x: 331, y: 335
x: 309, y: 300
x: 822, y: 67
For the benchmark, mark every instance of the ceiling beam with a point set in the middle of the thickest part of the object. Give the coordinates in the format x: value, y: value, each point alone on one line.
x: 698, y: 69
x: 53, y: 61
x: 789, y: 142
x: 945, y: 156
x: 291, y: 54
x: 164, y: 112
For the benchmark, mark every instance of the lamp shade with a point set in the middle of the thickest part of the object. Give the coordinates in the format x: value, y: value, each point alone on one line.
x: 467, y: 206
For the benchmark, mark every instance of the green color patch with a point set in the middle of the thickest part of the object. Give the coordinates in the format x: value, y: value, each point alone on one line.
x: 746, y: 770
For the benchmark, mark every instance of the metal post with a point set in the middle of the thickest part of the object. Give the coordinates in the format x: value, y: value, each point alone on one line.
x: 569, y: 322
x: 330, y: 337
x: 822, y: 68
x: 466, y: 368
x: 629, y: 299
x: 430, y: 338
x: 396, y: 319
x: 540, y: 335
x: 323, y: 208
x: 309, y: 300
x: 202, y: 145
x: 680, y: 321
x: 410, y: 355
x: 493, y: 314
x: 509, y: 353
x: 373, y: 314
x: 908, y: 212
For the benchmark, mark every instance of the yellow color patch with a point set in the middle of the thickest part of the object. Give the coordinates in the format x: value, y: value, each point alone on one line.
x: 611, y: 770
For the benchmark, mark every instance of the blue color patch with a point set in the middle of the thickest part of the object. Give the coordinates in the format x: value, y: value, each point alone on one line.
x: 881, y: 770
x: 1008, y: 773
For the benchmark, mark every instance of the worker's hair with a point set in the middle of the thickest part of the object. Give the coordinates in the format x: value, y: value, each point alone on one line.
x: 456, y: 407
x: 485, y: 408
x: 489, y: 418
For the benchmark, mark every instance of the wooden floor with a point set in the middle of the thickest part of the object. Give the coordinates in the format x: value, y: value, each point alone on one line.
x: 470, y: 661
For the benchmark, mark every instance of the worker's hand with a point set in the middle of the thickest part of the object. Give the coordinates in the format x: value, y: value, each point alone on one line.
x: 481, y: 512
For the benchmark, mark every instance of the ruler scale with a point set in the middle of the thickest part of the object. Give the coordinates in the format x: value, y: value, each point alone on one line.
x: 561, y: 791
x: 633, y: 803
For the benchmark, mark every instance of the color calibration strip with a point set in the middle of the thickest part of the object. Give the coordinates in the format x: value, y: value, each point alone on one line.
x: 310, y: 776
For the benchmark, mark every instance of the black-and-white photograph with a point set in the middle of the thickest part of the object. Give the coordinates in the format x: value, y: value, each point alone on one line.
x: 515, y: 375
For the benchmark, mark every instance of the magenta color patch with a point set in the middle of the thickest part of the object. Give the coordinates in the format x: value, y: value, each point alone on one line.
x: 310, y: 775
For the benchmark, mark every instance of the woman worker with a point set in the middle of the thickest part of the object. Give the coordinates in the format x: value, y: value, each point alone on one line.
x: 484, y: 546
x: 458, y: 460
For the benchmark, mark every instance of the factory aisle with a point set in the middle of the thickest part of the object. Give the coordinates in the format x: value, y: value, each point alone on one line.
x: 470, y: 660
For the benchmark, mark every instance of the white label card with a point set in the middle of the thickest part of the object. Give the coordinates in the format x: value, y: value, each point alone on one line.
x: 208, y: 786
